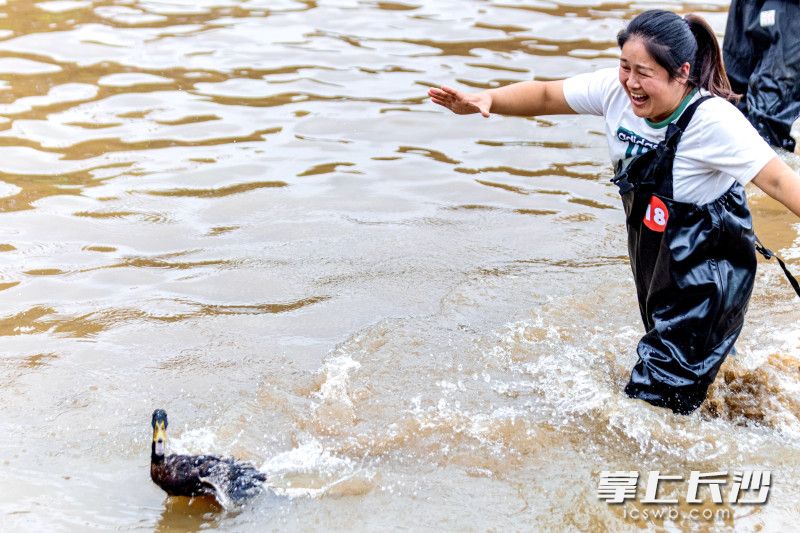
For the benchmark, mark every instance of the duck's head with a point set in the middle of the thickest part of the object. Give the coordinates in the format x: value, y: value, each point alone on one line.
x: 159, y: 424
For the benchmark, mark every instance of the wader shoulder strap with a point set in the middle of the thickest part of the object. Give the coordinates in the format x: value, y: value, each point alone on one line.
x: 688, y: 113
x: 769, y: 254
x: 676, y: 129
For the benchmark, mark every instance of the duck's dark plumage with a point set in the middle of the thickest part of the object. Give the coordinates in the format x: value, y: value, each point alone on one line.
x: 198, y: 475
x: 225, y: 479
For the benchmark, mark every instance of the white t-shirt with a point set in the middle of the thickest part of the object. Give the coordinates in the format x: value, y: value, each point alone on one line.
x: 718, y: 147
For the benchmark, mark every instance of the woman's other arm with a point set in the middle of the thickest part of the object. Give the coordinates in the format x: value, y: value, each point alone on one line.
x: 526, y: 98
x: 779, y: 181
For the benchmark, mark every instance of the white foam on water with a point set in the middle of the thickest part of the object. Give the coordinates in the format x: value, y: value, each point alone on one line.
x: 194, y: 441
x: 793, y: 251
x: 790, y: 339
x: 311, y: 470
x: 61, y: 6
x: 569, y: 374
x: 337, y: 374
x: 565, y: 374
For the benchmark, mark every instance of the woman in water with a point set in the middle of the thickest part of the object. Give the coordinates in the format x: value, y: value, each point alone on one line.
x: 682, y: 154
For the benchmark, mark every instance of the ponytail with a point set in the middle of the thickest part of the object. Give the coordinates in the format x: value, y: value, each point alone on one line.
x: 708, y: 71
x: 672, y: 41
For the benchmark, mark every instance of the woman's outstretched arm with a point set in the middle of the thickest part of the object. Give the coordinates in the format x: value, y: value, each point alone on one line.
x: 778, y: 180
x: 526, y: 98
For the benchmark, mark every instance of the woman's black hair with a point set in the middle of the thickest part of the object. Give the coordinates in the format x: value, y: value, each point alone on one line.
x: 673, y: 40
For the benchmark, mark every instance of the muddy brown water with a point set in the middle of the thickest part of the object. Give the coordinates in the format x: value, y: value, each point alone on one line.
x: 247, y: 213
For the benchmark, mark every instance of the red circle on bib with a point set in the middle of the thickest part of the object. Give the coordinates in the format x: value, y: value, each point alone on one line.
x: 656, y: 215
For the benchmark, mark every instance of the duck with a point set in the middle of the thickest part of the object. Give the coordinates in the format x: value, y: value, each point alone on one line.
x: 226, y: 480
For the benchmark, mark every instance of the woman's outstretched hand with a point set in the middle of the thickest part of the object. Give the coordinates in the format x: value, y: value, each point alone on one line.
x: 461, y: 103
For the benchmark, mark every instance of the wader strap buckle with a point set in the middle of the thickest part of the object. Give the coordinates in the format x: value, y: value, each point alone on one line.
x: 769, y: 254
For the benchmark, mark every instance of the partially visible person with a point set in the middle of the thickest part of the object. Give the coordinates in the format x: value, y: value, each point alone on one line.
x: 761, y: 51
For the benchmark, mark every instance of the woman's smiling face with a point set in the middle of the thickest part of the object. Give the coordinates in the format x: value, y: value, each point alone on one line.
x: 652, y: 93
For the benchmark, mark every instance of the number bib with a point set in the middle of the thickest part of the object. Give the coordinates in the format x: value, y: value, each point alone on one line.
x: 656, y: 215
